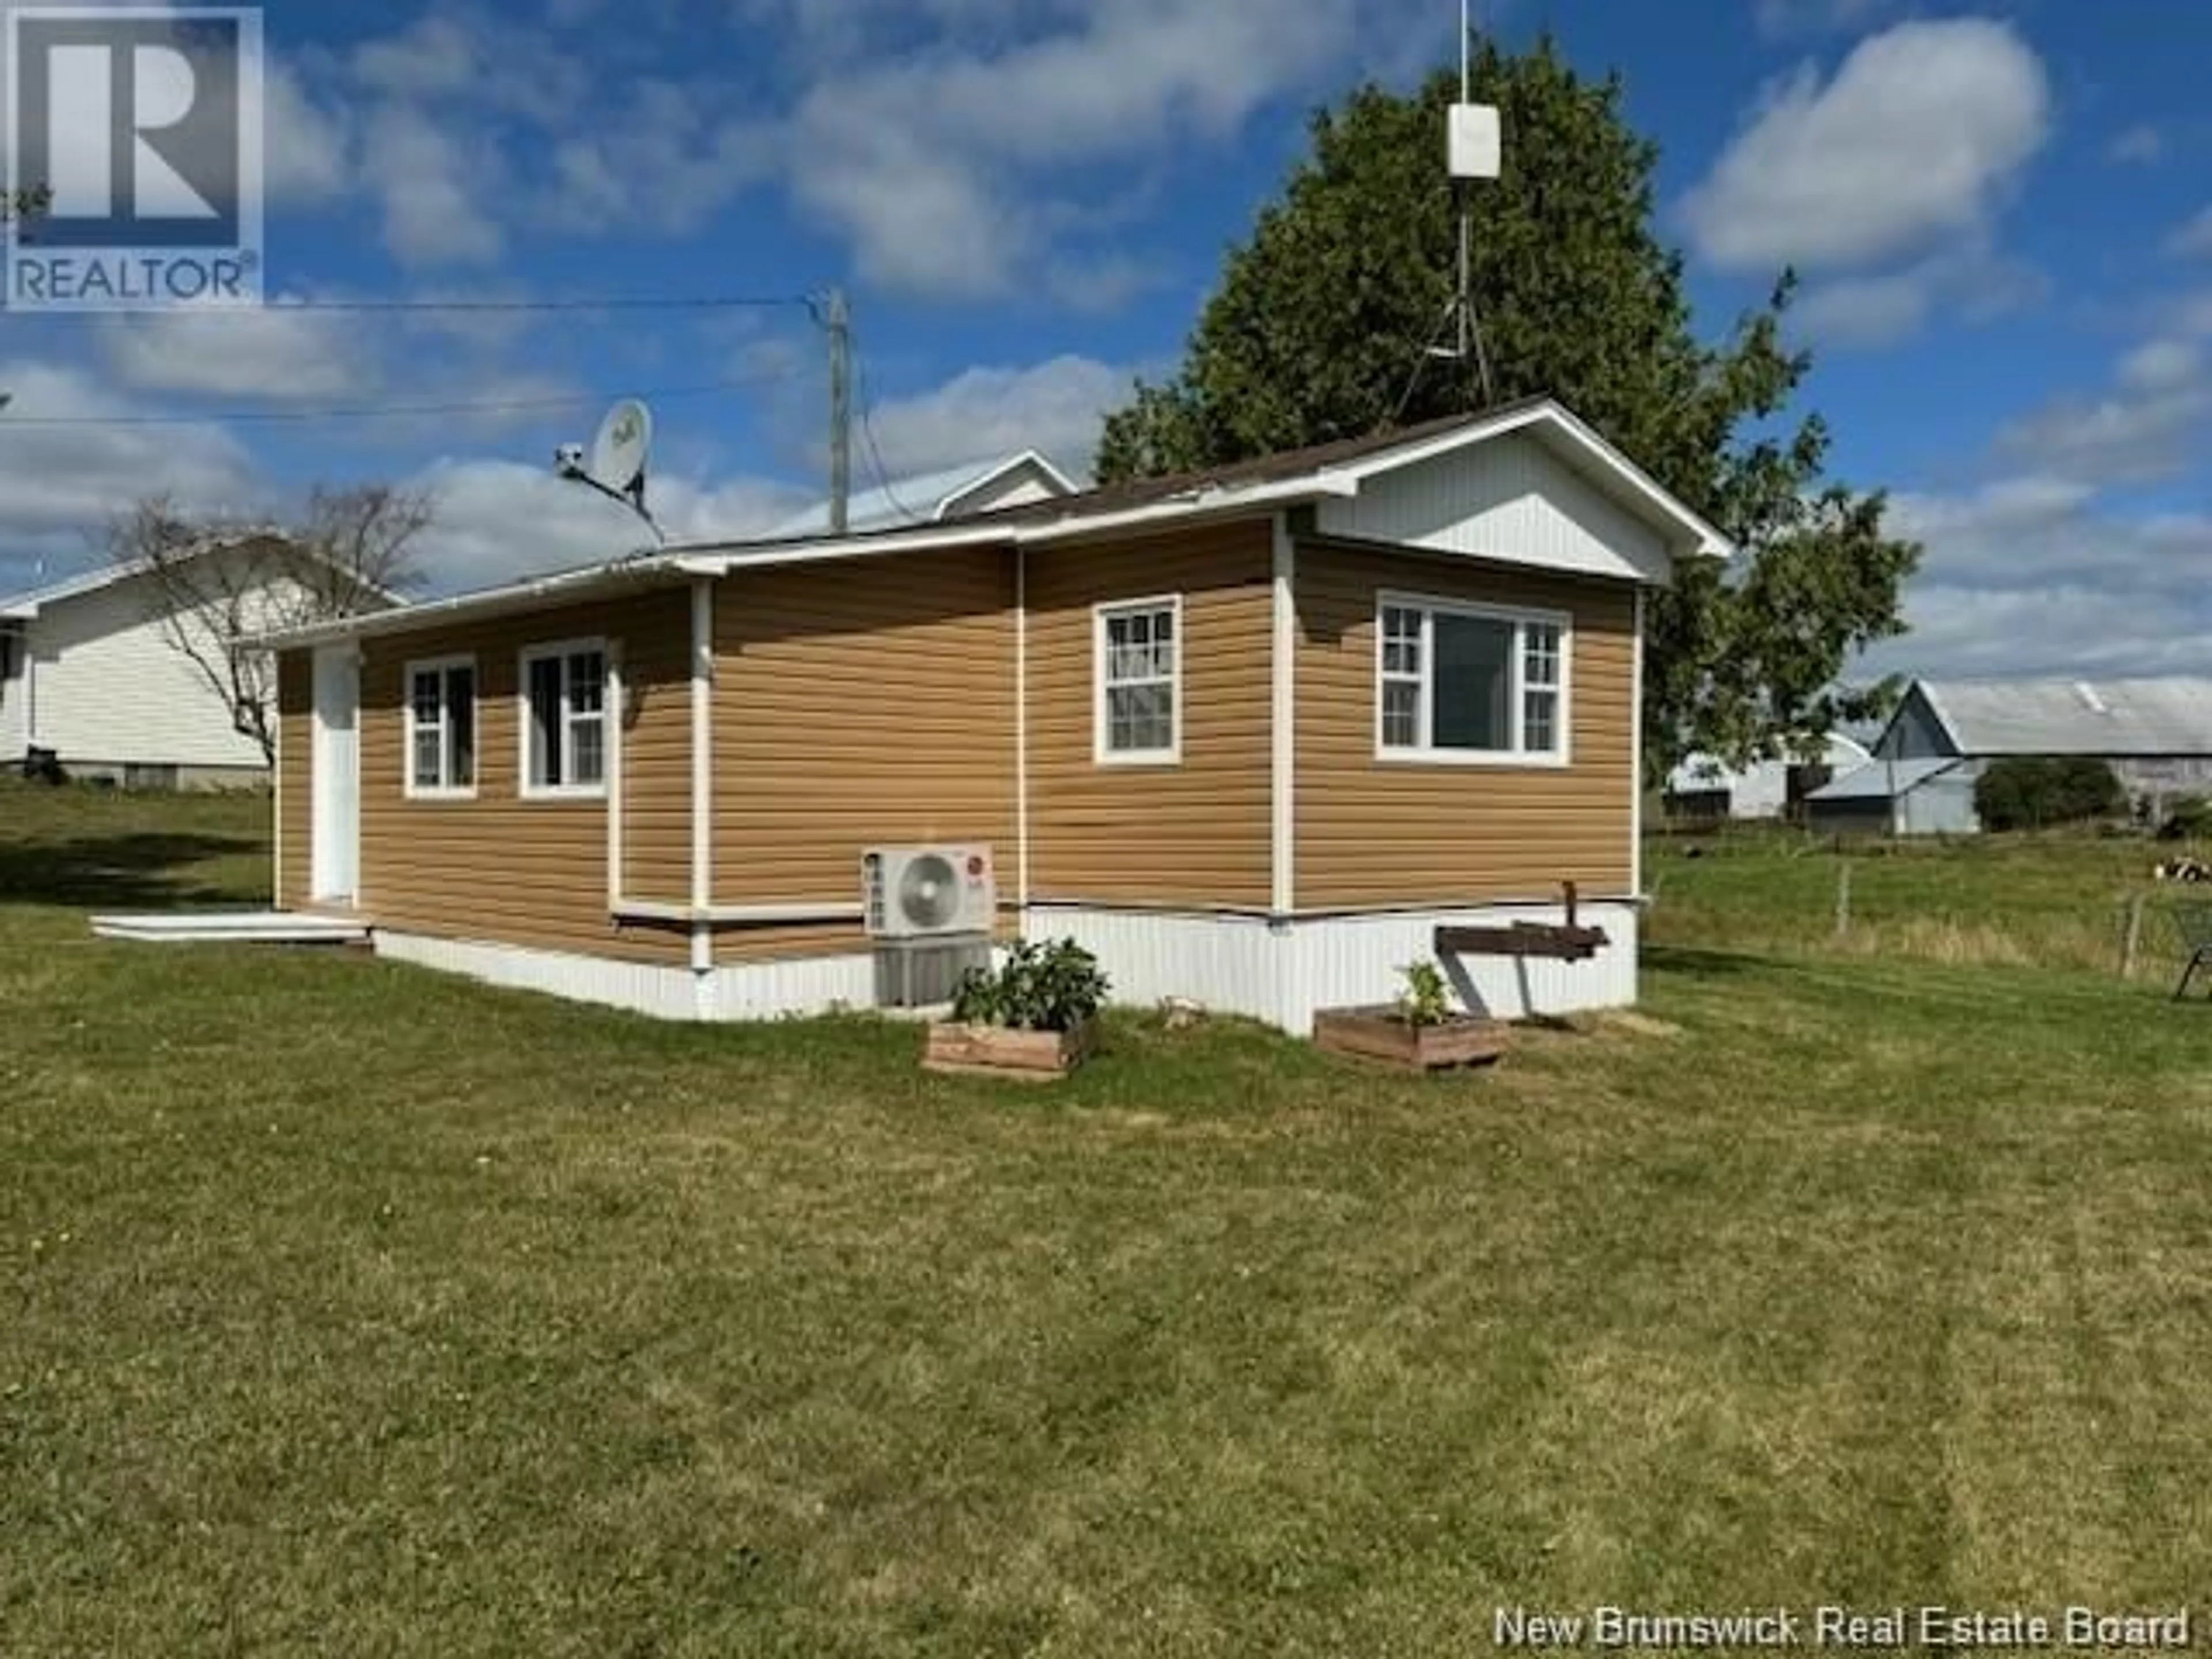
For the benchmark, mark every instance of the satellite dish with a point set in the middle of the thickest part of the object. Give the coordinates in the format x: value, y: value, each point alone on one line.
x: 618, y: 454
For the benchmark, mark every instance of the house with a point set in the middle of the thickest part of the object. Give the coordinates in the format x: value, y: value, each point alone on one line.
x: 1922, y: 797
x: 2156, y: 734
x: 933, y: 497
x: 1250, y: 736
x: 1703, y: 786
x: 90, y: 671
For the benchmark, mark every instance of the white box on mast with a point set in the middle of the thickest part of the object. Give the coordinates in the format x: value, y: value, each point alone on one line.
x: 1474, y: 143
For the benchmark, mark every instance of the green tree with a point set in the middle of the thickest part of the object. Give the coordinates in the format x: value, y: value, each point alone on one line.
x: 2025, y: 792
x: 1320, y: 317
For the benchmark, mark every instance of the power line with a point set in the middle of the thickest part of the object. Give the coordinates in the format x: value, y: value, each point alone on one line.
x: 875, y: 454
x: 636, y: 303
x: 385, y: 411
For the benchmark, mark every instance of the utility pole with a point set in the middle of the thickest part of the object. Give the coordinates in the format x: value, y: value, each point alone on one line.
x: 839, y: 323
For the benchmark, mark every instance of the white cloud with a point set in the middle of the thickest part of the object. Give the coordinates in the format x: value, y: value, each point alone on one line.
x: 439, y: 196
x: 2139, y: 145
x: 667, y: 161
x: 2193, y: 239
x: 66, y: 481
x: 1056, y: 407
x: 2037, y: 574
x: 1886, y: 306
x: 307, y: 150
x: 1913, y: 142
x: 941, y: 167
x: 277, y: 352
x: 2131, y: 433
x: 498, y: 520
x: 1782, y: 19
x: 2162, y: 365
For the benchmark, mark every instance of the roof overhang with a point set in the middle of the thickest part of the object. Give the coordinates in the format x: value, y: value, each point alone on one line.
x: 1687, y: 534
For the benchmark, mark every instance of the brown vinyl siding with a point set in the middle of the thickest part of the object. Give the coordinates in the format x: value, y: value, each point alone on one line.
x: 498, y: 867
x: 1373, y: 832
x: 858, y: 704
x: 296, y: 747
x: 1192, y: 833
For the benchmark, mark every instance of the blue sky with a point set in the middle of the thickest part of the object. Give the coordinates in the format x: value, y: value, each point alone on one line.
x: 2004, y: 215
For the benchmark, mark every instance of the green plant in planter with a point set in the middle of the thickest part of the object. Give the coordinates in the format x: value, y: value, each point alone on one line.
x: 1426, y: 1000
x: 1049, y: 987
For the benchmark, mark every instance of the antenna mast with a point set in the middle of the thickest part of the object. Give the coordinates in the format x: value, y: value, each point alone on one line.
x: 1473, y: 146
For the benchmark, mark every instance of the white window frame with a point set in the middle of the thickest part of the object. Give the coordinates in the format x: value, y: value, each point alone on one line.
x: 562, y: 650
x: 1101, y: 725
x: 1425, y: 753
x: 441, y: 666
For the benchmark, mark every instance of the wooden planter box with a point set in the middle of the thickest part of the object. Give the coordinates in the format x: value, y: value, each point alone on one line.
x: 1379, y: 1033
x: 994, y: 1051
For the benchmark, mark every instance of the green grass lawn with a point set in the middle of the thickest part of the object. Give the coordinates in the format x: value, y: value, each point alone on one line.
x: 347, y: 1309
x: 2054, y: 900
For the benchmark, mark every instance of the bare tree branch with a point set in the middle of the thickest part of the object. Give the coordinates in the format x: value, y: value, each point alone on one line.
x: 218, y: 582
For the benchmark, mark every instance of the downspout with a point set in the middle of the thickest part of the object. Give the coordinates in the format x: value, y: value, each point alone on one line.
x: 702, y: 793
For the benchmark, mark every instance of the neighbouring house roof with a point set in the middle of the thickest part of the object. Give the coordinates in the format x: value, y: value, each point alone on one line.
x: 25, y: 606
x: 2170, y: 716
x: 927, y: 497
x: 1882, y: 780
x: 1307, y: 477
x: 1702, y: 771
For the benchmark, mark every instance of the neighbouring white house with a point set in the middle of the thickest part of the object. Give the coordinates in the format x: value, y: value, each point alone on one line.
x: 1705, y: 787
x: 89, y: 672
x: 980, y: 486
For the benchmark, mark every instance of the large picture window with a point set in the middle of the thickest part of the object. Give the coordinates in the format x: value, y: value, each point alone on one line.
x: 564, y: 725
x: 1469, y: 683
x: 441, y: 728
x: 1139, y: 647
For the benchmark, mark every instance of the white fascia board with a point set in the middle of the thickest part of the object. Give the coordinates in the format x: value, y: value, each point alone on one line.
x: 1190, y: 509
x: 484, y: 602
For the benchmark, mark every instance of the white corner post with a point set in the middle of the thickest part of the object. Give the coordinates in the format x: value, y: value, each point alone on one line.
x: 1021, y: 737
x: 702, y: 793
x: 1636, y: 757
x: 1283, y: 728
x: 616, y: 701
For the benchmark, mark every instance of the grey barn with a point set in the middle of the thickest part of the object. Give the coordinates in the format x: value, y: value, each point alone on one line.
x: 2156, y: 734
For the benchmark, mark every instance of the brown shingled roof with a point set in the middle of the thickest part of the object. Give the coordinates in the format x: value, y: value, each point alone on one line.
x: 1265, y: 469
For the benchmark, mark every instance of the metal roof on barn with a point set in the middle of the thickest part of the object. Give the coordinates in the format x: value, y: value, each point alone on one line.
x: 2168, y: 716
x: 1882, y: 780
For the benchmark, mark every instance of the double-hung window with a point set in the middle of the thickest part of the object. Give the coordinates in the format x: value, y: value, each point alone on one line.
x: 564, y: 719
x: 441, y: 729
x: 1138, y: 649
x: 1458, y: 681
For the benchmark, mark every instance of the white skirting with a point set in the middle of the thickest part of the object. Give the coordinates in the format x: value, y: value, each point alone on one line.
x: 663, y: 993
x: 1278, y: 972
x: 1281, y: 972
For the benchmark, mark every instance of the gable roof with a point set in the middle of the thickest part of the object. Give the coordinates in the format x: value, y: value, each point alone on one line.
x: 924, y: 498
x: 2170, y: 715
x: 27, y: 606
x: 1300, y: 478
x: 1882, y: 780
x: 1352, y: 460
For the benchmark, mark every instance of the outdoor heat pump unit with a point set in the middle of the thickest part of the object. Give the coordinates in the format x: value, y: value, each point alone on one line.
x: 930, y: 911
